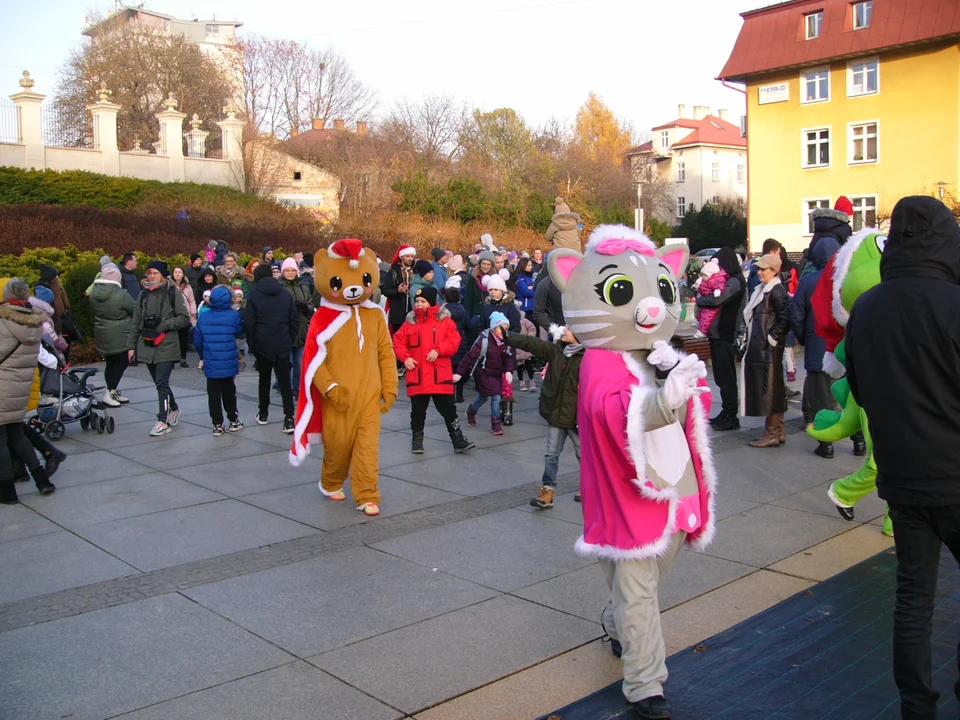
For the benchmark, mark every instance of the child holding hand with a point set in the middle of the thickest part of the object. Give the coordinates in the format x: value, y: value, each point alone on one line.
x: 492, y: 363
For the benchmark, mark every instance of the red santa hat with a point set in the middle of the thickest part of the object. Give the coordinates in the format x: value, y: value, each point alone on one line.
x: 844, y: 205
x: 348, y: 248
x: 404, y: 251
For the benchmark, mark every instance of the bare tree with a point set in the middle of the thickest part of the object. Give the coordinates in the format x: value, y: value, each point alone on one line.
x: 656, y: 193
x: 431, y: 127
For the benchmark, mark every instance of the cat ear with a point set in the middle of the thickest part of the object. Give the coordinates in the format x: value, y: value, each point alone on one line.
x: 675, y: 257
x: 560, y: 264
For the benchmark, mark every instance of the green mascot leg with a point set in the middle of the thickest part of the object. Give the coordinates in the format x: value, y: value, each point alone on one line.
x: 848, y: 491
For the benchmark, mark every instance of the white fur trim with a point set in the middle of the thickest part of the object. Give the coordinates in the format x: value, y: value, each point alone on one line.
x: 354, y: 264
x: 608, y: 552
x: 709, y: 474
x: 840, y: 269
x: 328, y: 494
x: 408, y: 251
x: 616, y: 232
x: 556, y: 332
x: 832, y: 366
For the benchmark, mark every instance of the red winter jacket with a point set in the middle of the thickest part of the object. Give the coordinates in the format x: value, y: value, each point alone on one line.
x: 416, y: 338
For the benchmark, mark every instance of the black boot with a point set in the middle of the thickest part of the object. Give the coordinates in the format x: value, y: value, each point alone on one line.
x: 824, y: 450
x: 859, y: 444
x: 53, y: 462
x: 42, y: 480
x: 417, y: 443
x: 508, y: 413
x: 725, y: 421
x: 459, y: 394
x: 8, y: 493
x: 460, y: 443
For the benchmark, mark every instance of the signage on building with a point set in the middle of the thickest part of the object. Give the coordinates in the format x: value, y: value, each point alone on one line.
x: 778, y: 92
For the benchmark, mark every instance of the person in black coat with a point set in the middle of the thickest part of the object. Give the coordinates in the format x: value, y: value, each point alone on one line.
x: 903, y: 366
x: 459, y: 315
x: 767, y: 317
x: 547, y: 302
x: 129, y: 281
x: 271, y: 324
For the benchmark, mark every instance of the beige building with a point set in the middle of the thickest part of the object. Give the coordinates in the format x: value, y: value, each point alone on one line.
x: 292, y: 181
x: 699, y: 158
x: 210, y: 35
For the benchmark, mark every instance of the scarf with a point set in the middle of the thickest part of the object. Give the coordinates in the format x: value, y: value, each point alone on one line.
x: 572, y: 349
x: 230, y: 273
x: 151, y: 286
x: 756, y: 299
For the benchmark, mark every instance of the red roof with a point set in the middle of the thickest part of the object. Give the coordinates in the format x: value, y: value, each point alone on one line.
x: 773, y: 38
x: 711, y: 130
x: 643, y: 148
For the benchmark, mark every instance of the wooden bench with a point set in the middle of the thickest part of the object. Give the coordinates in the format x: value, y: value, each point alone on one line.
x: 685, y: 341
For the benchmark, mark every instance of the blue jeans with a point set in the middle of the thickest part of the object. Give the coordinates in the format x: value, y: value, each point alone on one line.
x: 556, y: 437
x: 494, y: 405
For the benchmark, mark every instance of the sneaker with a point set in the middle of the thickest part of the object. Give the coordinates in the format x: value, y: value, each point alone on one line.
x: 369, y: 509
x: 723, y: 423
x: 288, y: 425
x: 578, y: 497
x: 109, y: 400
x: 120, y: 398
x: 471, y: 417
x: 791, y: 393
x: 218, y: 430
x: 262, y: 418
x: 652, y: 708
x: 523, y: 386
x: 183, y: 364
x: 173, y: 416
x: 545, y: 499
x: 533, y: 386
x: 161, y: 428
x: 236, y: 425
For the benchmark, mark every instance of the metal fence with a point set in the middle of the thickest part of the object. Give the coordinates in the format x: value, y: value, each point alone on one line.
x: 65, y: 127
x: 9, y: 122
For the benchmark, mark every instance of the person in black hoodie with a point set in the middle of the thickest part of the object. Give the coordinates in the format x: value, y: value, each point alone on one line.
x: 903, y: 365
x: 271, y: 324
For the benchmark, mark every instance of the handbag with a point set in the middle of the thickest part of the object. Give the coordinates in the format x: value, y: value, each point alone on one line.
x: 70, y: 333
x: 506, y: 389
x: 740, y: 343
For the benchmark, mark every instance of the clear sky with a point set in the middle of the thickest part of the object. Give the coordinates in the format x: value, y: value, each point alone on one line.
x: 540, y: 57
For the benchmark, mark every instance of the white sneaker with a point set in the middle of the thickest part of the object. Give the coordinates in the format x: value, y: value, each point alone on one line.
x: 161, y: 428
x: 109, y: 400
x: 173, y: 417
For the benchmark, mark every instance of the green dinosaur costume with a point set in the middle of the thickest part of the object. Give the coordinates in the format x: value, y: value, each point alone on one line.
x: 856, y: 269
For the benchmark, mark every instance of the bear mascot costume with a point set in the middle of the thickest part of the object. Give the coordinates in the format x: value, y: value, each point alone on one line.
x: 646, y: 473
x: 349, y: 375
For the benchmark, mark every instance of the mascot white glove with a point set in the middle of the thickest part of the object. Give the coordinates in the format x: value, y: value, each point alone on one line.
x: 681, y: 383
x: 664, y: 357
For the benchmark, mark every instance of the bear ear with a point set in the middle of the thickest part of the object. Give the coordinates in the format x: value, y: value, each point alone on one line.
x: 675, y: 257
x: 560, y: 264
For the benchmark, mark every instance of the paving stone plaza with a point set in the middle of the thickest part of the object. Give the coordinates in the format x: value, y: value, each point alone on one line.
x: 198, y: 577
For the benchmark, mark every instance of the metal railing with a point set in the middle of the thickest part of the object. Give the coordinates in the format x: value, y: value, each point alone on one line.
x: 66, y: 127
x: 9, y: 122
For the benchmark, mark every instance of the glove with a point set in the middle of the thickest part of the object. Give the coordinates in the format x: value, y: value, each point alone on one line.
x: 508, y: 377
x: 456, y: 378
x: 716, y: 293
x: 681, y: 383
x: 663, y: 357
x: 339, y: 397
x: 386, y: 402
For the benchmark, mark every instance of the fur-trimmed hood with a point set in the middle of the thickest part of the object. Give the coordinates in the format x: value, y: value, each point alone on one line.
x: 441, y: 313
x: 832, y: 214
x: 28, y: 317
x: 508, y: 297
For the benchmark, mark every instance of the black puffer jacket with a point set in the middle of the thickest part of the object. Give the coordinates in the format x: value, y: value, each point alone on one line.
x: 903, y: 357
x: 460, y: 317
x: 270, y: 320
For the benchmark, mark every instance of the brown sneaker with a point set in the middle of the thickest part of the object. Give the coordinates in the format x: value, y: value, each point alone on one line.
x: 544, y: 500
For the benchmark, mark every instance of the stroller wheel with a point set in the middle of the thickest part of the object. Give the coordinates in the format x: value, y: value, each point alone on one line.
x: 111, y: 426
x: 84, y: 423
x: 55, y: 431
x: 101, y: 426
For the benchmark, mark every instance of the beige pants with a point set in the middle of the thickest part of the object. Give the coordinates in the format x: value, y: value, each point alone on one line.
x: 633, y: 618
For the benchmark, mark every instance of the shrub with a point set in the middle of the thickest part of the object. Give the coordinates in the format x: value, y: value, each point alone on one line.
x: 75, y: 282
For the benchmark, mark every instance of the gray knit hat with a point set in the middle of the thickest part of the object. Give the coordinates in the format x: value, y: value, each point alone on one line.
x: 487, y: 256
x: 16, y: 289
x: 105, y: 260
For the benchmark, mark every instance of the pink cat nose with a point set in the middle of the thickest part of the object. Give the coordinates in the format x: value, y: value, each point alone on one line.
x: 653, y: 311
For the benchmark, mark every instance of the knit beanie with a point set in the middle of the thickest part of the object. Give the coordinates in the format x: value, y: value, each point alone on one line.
x: 497, y: 319
x: 560, y: 206
x: 438, y: 253
x: 194, y: 258
x: 105, y: 259
x: 48, y: 272
x: 486, y: 256
x: 42, y: 292
x: 308, y: 260
x: 265, y: 251
x: 16, y: 289
x: 212, y: 244
x: 422, y: 267
x: 455, y: 265
x: 486, y: 240
x: 428, y: 293
x: 262, y: 272
x: 454, y: 281
x: 289, y: 264
x: 109, y: 272
x: 160, y: 266
x: 494, y: 282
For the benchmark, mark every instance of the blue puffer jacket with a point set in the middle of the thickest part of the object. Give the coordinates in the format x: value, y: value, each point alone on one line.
x: 215, y: 337
x: 526, y: 291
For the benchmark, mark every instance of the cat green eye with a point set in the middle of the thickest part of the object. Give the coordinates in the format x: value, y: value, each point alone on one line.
x: 616, y: 290
x: 667, y: 293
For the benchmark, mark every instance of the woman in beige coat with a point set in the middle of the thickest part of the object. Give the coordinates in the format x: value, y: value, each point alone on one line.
x: 564, y: 230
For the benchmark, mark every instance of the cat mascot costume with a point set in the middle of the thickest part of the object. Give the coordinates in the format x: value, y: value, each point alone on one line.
x: 647, y: 475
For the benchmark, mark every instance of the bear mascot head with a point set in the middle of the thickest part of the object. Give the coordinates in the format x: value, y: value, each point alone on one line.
x: 346, y: 274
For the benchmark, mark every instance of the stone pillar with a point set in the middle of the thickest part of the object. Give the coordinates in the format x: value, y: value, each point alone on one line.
x: 171, y: 144
x: 196, y: 139
x: 31, y: 123
x: 105, y: 130
x: 232, y: 139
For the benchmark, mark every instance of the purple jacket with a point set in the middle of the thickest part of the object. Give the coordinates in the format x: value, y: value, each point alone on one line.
x: 489, y: 374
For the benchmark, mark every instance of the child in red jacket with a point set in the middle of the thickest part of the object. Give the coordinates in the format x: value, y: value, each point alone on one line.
x: 424, y: 343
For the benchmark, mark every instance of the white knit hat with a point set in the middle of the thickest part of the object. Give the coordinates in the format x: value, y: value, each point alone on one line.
x: 453, y: 281
x: 494, y: 282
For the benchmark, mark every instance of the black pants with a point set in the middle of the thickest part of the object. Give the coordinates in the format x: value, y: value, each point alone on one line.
x: 524, y: 366
x: 38, y: 441
x: 116, y: 366
x: 816, y: 395
x: 724, y: 357
x: 919, y: 534
x: 12, y: 440
x: 443, y: 403
x: 184, y: 336
x: 281, y: 368
x: 160, y: 373
x: 222, y: 395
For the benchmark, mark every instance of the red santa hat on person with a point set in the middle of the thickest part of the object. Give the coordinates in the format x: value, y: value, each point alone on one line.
x: 844, y: 205
x: 348, y: 248
x: 404, y: 251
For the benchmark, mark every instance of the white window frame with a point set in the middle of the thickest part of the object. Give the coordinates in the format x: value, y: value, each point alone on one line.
x: 681, y: 206
x: 857, y: 199
x: 664, y: 139
x: 741, y: 173
x: 851, y: 93
x: 681, y: 172
x: 212, y: 30
x: 807, y: 211
x: 715, y: 172
x: 819, y: 23
x: 742, y: 205
x: 867, y: 6
x: 715, y: 200
x: 803, y: 147
x: 850, y: 140
x: 804, y: 100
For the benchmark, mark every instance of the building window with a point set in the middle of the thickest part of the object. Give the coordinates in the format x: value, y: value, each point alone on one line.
x: 715, y: 172
x: 665, y: 139
x: 297, y: 175
x: 213, y: 29
x: 809, y: 206
x: 863, y: 142
x: 862, y: 15
x: 715, y: 200
x: 741, y: 173
x: 813, y: 22
x: 816, y: 148
x: 681, y: 206
x: 864, y: 212
x: 815, y: 85
x: 681, y: 172
x: 741, y: 206
x: 863, y: 77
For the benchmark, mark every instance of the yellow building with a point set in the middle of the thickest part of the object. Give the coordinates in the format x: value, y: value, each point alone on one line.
x: 856, y: 99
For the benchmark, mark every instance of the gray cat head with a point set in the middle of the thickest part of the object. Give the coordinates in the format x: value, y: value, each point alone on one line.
x: 622, y: 293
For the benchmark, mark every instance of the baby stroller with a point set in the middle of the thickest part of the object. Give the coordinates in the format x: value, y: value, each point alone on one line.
x: 66, y: 397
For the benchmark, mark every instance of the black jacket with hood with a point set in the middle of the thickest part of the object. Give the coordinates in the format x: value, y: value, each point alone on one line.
x: 270, y: 320
x: 730, y: 300
x: 802, y: 320
x: 903, y: 357
x: 829, y: 223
